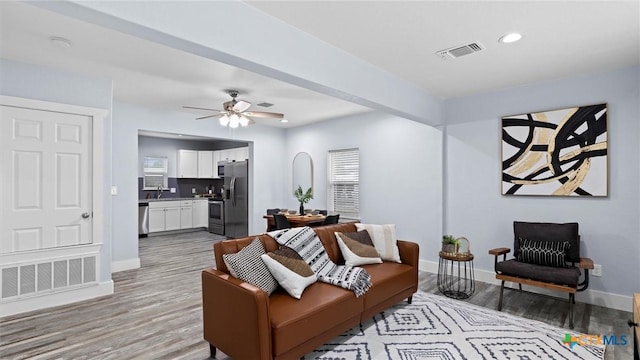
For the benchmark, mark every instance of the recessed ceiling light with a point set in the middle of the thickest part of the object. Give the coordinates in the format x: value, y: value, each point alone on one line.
x: 509, y: 38
x: 60, y: 42
x: 283, y: 120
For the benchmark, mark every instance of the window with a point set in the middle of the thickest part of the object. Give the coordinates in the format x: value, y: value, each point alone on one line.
x: 155, y: 173
x: 344, y: 189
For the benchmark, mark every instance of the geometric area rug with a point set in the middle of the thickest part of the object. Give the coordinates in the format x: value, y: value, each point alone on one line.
x: 438, y: 328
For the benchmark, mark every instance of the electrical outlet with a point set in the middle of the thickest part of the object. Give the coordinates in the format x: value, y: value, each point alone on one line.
x: 193, y: 190
x: 597, y: 270
x: 114, y: 190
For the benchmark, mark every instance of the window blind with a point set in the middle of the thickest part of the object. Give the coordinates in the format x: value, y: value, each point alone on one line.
x: 344, y: 177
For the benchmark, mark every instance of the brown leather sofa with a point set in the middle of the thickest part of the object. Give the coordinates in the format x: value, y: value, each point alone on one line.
x: 245, y: 323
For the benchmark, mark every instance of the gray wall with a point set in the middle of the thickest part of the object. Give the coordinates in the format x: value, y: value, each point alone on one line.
x: 609, y: 226
x: 400, y: 172
x: 40, y: 83
x: 266, y: 149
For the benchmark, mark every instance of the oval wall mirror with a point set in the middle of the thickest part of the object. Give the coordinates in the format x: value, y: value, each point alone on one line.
x: 302, y: 171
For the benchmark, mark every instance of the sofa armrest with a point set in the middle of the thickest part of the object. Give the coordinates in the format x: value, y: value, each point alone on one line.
x: 233, y: 309
x: 409, y: 252
x: 586, y: 263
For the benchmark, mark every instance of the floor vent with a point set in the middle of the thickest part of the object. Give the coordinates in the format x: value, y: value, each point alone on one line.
x: 28, y: 279
x: 462, y: 50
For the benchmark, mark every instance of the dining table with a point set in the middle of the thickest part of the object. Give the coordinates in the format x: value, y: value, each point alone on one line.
x: 296, y: 220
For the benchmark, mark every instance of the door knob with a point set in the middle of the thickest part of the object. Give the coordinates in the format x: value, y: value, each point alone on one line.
x: 85, y: 215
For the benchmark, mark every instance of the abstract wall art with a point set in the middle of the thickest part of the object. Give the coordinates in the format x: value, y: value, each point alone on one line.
x: 557, y: 153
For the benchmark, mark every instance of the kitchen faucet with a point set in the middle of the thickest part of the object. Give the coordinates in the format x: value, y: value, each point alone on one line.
x: 159, y: 193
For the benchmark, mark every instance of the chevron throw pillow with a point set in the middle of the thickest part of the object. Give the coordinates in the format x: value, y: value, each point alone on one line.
x: 546, y: 253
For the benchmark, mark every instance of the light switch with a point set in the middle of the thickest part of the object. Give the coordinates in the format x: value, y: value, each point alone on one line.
x: 173, y: 190
x: 114, y: 190
x: 193, y: 190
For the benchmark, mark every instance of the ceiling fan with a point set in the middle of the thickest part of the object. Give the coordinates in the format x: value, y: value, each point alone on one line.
x: 235, y: 112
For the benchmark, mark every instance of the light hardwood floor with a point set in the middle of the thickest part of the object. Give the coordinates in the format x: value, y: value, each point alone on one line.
x: 156, y: 311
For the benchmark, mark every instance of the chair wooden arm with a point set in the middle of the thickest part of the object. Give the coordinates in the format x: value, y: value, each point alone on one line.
x: 499, y: 251
x: 586, y: 263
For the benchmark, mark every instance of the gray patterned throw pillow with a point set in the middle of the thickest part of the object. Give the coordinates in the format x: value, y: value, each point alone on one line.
x: 546, y: 253
x: 247, y: 265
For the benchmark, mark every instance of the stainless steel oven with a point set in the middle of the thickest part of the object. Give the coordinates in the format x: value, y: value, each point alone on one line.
x: 216, y: 217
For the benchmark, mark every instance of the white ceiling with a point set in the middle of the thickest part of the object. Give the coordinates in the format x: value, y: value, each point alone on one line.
x: 561, y: 38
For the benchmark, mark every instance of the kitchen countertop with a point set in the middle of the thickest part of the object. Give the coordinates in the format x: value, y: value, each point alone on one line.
x: 146, y: 201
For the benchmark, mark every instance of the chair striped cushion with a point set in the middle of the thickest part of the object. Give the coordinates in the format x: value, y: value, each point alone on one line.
x: 546, y: 253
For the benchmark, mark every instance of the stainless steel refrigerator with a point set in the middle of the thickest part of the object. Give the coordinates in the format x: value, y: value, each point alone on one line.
x: 236, y: 200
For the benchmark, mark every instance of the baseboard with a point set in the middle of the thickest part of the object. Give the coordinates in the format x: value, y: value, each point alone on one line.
x: 594, y: 297
x: 122, y: 265
x: 56, y: 299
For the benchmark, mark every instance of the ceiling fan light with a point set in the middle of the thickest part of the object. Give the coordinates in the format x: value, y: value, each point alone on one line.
x: 224, y: 120
x: 244, y: 121
x: 234, y: 121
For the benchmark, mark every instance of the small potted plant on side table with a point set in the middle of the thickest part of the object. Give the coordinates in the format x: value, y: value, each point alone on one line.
x: 303, y: 197
x: 449, y: 244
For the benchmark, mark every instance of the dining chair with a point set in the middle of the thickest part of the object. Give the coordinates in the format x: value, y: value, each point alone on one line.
x: 322, y: 212
x: 273, y: 211
x: 331, y: 219
x: 281, y: 222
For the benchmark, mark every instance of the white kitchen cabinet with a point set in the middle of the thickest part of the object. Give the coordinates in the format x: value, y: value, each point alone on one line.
x: 156, y: 219
x: 164, y: 216
x: 240, y: 154
x: 205, y: 165
x: 186, y: 214
x: 187, y: 164
x: 237, y: 154
x: 200, y: 213
x: 216, y: 160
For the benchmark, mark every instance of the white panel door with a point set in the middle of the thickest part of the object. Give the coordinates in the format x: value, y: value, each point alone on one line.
x: 45, y: 167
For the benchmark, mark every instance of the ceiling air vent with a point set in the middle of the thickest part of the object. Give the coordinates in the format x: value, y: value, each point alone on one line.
x: 458, y: 51
x: 265, y: 104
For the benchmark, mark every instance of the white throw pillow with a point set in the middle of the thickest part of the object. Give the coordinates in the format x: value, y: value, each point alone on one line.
x: 357, y: 248
x: 292, y: 273
x: 384, y: 240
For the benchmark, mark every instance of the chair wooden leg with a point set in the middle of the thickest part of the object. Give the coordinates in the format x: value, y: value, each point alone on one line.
x: 501, y: 296
x: 212, y: 351
x: 572, y: 299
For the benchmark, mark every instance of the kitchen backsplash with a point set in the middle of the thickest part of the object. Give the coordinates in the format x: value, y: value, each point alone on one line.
x: 183, y: 187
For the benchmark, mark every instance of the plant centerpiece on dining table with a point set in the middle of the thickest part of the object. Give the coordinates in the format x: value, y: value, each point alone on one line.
x: 303, y: 197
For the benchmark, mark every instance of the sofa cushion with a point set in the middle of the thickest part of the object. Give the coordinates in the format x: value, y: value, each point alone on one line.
x: 292, y: 273
x: 323, y: 306
x: 548, y: 232
x: 387, y: 279
x: 357, y: 248
x: 327, y: 235
x: 546, y: 253
x: 247, y: 265
x: 562, y: 276
x: 384, y: 239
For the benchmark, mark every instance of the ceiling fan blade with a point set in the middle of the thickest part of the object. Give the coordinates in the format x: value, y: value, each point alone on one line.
x: 208, y: 116
x: 263, y: 114
x: 199, y: 108
x: 241, y: 106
